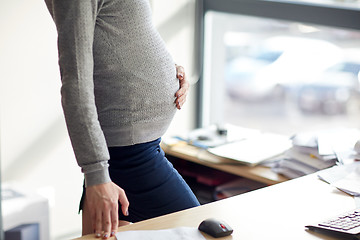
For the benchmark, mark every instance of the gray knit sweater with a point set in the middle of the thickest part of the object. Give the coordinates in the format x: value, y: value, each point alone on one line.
x: 118, y: 79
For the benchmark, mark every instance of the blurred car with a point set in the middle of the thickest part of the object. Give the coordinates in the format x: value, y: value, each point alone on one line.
x: 241, y: 71
x: 280, y: 62
x: 332, y: 92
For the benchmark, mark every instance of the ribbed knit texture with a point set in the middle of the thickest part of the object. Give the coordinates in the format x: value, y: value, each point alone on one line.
x: 118, y: 79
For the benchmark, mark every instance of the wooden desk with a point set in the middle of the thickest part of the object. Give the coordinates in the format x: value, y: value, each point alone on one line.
x: 277, y: 212
x: 203, y: 157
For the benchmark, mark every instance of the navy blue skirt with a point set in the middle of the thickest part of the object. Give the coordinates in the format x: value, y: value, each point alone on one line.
x: 152, y: 185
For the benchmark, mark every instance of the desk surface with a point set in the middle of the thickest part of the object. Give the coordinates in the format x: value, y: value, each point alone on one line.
x: 203, y: 157
x: 277, y: 212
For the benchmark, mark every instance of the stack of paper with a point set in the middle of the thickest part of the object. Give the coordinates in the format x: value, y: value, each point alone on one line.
x: 295, y: 164
x: 314, y: 151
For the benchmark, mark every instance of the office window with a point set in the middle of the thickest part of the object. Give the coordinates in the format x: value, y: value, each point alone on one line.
x: 277, y: 73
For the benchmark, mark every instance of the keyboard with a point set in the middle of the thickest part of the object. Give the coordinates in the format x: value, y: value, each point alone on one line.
x: 345, y: 225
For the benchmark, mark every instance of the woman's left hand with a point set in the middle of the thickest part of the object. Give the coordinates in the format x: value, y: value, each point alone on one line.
x: 184, y: 87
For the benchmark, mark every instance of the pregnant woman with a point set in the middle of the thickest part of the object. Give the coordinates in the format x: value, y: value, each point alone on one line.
x: 120, y: 91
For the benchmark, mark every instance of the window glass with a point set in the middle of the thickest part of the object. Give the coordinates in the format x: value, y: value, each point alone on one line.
x: 280, y: 76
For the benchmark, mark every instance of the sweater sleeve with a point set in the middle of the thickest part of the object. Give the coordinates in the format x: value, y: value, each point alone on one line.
x: 75, y: 21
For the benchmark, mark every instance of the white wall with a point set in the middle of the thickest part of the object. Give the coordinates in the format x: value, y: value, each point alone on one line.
x: 35, y: 152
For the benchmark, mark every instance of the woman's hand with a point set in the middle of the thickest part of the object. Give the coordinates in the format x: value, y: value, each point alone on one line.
x: 184, y: 87
x: 102, y: 201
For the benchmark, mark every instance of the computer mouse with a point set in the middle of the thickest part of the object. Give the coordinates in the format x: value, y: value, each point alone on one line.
x: 215, y: 228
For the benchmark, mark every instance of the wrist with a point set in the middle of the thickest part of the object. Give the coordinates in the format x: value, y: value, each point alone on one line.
x: 97, y: 177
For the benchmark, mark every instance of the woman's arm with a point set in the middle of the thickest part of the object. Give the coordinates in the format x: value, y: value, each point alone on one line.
x: 75, y: 21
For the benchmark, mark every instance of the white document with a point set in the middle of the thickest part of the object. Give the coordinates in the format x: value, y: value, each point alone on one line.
x: 181, y: 233
x: 255, y: 149
x: 337, y: 140
x: 344, y: 177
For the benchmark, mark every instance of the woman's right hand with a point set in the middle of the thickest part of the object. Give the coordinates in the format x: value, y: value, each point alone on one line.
x: 184, y: 87
x: 102, y: 201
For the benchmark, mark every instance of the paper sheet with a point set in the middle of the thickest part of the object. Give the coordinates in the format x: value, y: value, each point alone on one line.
x: 255, y: 149
x: 344, y: 177
x: 181, y: 233
x: 337, y: 140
